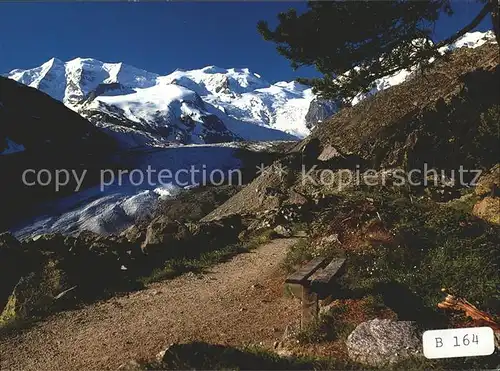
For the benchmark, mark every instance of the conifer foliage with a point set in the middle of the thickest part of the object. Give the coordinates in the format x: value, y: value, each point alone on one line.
x: 354, y: 43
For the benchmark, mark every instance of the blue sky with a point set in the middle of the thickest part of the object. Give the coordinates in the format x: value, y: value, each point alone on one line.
x: 160, y: 37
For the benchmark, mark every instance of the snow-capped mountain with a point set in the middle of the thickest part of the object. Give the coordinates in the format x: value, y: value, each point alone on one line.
x: 72, y: 81
x: 469, y: 40
x: 163, y: 112
x: 206, y: 105
x: 209, y: 105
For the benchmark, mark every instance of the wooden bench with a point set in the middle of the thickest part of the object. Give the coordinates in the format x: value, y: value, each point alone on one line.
x: 315, y: 278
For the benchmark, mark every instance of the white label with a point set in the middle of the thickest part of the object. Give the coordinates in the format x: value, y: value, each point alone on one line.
x: 459, y: 342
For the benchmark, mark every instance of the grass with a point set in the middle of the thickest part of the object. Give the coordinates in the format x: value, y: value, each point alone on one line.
x: 342, y: 318
x: 330, y: 326
x: 428, y: 246
x: 297, y: 254
x: 438, y: 247
x: 465, y: 203
x: 178, y: 266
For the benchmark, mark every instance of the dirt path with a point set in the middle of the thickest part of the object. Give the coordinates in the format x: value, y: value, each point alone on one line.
x: 237, y: 302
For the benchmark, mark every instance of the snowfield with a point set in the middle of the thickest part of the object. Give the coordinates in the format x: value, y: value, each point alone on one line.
x: 469, y: 40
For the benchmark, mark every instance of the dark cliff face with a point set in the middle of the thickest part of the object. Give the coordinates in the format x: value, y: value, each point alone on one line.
x: 113, y: 88
x: 46, y: 135
x: 320, y: 110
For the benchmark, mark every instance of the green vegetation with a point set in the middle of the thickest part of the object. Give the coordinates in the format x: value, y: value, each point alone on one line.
x: 424, y: 247
x: 439, y: 247
x: 177, y: 266
x: 299, y: 253
x: 33, y: 295
x: 330, y: 326
x: 363, y: 41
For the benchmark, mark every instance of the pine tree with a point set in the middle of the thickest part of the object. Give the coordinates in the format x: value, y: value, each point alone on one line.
x: 354, y: 43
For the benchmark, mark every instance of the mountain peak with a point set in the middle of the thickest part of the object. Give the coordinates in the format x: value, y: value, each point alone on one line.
x: 85, y: 60
x: 213, y: 69
x: 54, y: 61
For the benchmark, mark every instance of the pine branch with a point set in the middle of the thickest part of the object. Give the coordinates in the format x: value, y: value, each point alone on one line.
x: 473, y: 24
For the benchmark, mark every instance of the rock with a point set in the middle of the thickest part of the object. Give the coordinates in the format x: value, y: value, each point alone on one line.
x: 35, y: 293
x: 224, y: 230
x: 54, y: 242
x: 162, y: 232
x: 489, y: 183
x: 332, y: 239
x: 310, y: 149
x: 283, y: 231
x: 488, y: 209
x: 329, y: 153
x: 133, y: 234
x: 88, y: 237
x: 295, y: 198
x: 381, y: 342
x: 189, y: 237
x: 319, y: 110
x: 12, y: 265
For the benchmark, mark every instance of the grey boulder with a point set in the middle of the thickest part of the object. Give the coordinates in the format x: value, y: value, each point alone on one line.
x: 381, y: 342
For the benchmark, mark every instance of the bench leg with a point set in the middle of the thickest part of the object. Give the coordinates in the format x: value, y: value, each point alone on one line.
x: 309, y: 307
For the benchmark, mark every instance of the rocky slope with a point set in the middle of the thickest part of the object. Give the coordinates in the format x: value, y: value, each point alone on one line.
x: 431, y: 118
x: 446, y: 118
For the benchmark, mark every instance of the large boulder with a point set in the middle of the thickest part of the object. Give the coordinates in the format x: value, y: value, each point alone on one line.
x: 12, y: 265
x: 35, y: 293
x: 162, y: 233
x: 489, y: 183
x: 133, y: 234
x: 488, y: 209
x: 382, y: 342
